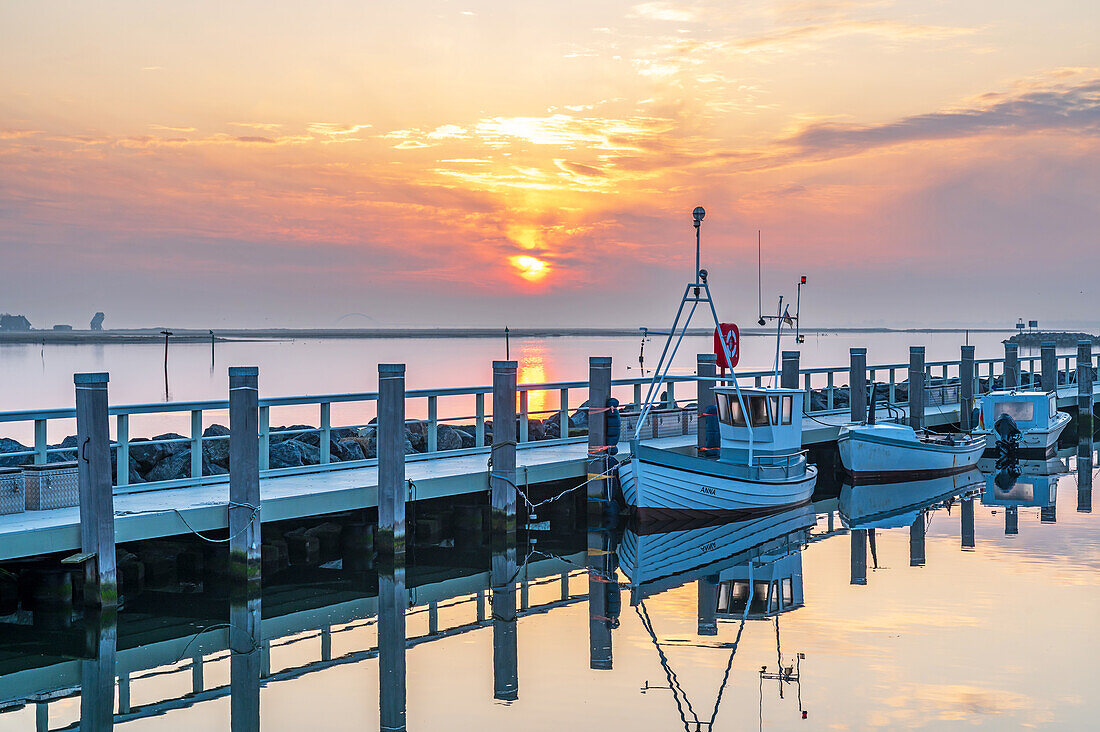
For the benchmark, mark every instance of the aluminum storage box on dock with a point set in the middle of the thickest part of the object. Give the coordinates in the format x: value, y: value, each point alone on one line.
x: 12, y: 495
x: 49, y: 486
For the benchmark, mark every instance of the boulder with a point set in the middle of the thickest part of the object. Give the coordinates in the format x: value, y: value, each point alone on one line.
x: 579, y: 418
x: 216, y: 451
x: 347, y: 449
x: 149, y: 455
x: 293, y: 454
x: 9, y: 445
x: 171, y: 467
x: 295, y: 433
x: 447, y: 438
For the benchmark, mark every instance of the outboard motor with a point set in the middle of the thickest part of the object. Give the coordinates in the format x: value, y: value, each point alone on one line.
x: 1008, y: 436
x: 712, y: 435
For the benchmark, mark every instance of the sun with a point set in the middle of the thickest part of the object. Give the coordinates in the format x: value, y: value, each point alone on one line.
x: 530, y: 269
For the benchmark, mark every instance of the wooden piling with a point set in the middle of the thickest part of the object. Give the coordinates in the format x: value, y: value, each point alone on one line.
x: 1012, y: 366
x: 916, y: 541
x: 859, y: 557
x: 857, y: 383
x: 244, y: 476
x: 502, y: 479
x: 1048, y: 359
x: 916, y: 387
x: 599, y: 391
x: 706, y: 365
x: 966, y: 519
x: 392, y: 602
x: 707, y: 588
x: 788, y: 377
x: 390, y: 537
x: 1085, y: 426
x: 97, y: 515
x: 245, y: 662
x: 966, y: 389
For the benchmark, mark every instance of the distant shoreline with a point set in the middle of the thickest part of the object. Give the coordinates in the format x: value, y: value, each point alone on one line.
x: 185, y: 335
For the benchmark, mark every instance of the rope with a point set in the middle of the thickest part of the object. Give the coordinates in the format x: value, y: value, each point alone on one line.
x: 533, y: 505
x: 670, y: 675
x: 196, y: 532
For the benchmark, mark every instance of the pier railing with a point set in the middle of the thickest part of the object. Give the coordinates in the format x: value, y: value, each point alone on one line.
x: 443, y: 422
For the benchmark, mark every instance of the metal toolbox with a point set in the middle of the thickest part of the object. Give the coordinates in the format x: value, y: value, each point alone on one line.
x: 11, y: 491
x: 53, y: 485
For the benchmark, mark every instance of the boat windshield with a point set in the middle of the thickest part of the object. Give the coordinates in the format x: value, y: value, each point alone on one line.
x: 1019, y: 411
x: 729, y: 410
x: 1053, y: 412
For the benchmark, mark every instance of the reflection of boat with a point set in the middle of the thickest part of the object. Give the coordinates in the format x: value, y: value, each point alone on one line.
x: 1021, y: 426
x: 886, y: 453
x: 1008, y: 488
x: 761, y: 464
x: 657, y: 561
x: 897, y: 504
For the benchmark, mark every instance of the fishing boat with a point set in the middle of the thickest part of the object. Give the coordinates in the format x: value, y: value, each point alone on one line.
x: 1021, y: 426
x: 759, y: 466
x: 887, y: 453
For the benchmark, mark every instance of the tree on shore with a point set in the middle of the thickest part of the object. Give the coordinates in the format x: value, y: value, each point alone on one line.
x: 14, y: 322
x: 97, y: 321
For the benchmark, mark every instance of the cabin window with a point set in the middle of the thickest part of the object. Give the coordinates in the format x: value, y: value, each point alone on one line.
x: 1019, y: 411
x: 788, y: 401
x: 781, y: 409
x: 731, y: 413
x: 1053, y: 407
x: 758, y: 409
x: 788, y: 592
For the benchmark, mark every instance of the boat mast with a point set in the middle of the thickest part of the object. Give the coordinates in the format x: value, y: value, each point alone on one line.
x: 697, y: 291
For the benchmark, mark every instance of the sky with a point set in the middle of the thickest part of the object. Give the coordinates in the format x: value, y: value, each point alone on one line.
x: 469, y: 163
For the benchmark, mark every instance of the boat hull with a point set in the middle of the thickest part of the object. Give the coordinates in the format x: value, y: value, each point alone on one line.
x: 881, y: 456
x: 1035, y: 444
x: 662, y: 492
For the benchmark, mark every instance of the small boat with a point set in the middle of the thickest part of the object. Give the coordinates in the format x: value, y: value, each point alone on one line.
x: 887, y: 453
x: 760, y: 465
x: 750, y: 475
x: 1021, y: 425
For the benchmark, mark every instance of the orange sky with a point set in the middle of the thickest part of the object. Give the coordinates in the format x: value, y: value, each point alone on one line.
x: 456, y: 163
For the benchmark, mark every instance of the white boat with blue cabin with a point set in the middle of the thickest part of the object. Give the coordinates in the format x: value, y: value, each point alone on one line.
x: 760, y: 465
x: 1021, y: 425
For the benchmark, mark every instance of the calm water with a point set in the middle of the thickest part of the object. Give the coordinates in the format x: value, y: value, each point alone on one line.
x: 40, y: 377
x: 969, y: 626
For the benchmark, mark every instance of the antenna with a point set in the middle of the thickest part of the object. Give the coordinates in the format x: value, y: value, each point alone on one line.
x: 759, y: 287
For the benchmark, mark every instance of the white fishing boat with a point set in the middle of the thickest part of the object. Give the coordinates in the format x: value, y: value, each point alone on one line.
x: 1021, y: 425
x: 760, y: 464
x: 887, y: 453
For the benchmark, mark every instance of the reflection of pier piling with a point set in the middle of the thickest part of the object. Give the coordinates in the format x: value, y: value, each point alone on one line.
x: 97, y: 674
x: 916, y: 541
x: 245, y: 663
x: 859, y: 557
x: 392, y: 600
x: 505, y: 642
x: 967, y: 523
x: 1012, y: 521
x: 599, y: 621
x: 1084, y: 426
x: 708, y: 605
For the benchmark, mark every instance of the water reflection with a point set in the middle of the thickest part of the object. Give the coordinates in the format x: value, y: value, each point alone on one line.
x: 245, y: 661
x: 392, y: 604
x: 503, y: 577
x: 97, y: 674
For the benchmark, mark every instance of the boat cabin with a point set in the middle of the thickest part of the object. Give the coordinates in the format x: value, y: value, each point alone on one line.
x: 1005, y: 489
x: 776, y: 589
x: 1031, y: 410
x: 773, y: 414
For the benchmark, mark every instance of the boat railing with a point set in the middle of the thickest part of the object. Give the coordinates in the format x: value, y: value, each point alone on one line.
x: 775, y: 463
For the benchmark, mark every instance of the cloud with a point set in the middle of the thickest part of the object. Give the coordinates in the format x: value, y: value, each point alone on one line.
x: 1035, y: 109
x: 663, y: 11
x: 333, y: 129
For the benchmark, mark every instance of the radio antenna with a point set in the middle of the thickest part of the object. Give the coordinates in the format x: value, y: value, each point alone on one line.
x: 759, y: 297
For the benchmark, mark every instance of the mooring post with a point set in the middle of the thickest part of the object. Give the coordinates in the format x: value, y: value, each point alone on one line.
x: 502, y: 478
x: 390, y: 538
x: 916, y: 387
x: 97, y: 672
x: 97, y: 513
x: 857, y: 383
x: 244, y: 476
x: 1048, y: 359
x: 599, y: 391
x: 1012, y: 366
x: 859, y: 557
x: 916, y: 541
x: 392, y: 603
x: 966, y: 389
x: 788, y: 377
x: 706, y: 366
x: 502, y: 578
x: 707, y: 588
x: 1012, y: 521
x: 245, y: 662
x: 967, y: 520
x: 600, y: 656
